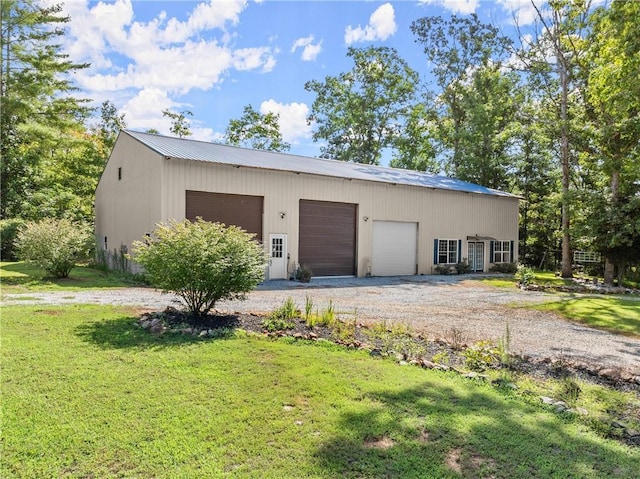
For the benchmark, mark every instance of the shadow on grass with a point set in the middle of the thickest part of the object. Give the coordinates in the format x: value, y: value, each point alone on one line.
x: 432, y: 431
x: 26, y: 275
x: 124, y: 333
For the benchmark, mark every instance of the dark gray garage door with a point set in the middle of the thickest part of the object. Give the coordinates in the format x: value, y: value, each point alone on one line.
x: 241, y: 210
x: 328, y: 237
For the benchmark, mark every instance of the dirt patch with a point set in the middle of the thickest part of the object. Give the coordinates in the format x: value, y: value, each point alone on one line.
x: 383, y: 443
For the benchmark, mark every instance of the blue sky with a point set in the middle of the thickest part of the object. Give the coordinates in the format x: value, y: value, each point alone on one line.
x: 214, y: 57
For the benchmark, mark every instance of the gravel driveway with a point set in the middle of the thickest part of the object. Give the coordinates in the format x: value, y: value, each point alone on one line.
x: 434, y: 304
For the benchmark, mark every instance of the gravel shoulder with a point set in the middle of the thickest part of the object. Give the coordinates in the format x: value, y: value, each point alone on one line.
x: 437, y: 306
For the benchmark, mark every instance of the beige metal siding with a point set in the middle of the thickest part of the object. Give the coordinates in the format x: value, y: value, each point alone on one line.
x: 439, y: 213
x: 128, y: 207
x: 154, y: 189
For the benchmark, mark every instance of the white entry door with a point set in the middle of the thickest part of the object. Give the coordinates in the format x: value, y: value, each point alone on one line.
x: 476, y: 256
x: 278, y: 256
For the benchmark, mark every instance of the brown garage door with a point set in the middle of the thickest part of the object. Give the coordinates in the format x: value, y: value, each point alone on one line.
x: 241, y: 210
x: 328, y: 237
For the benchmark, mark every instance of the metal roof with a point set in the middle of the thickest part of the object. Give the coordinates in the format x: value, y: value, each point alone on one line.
x: 187, y: 149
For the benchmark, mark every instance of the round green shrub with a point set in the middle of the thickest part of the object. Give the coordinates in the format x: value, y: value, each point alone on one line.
x: 55, y: 245
x: 8, y: 232
x: 201, y: 262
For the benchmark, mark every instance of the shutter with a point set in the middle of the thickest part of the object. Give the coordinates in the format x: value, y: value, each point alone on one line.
x: 511, y: 251
x: 491, y: 258
x: 435, y: 251
x: 459, y: 251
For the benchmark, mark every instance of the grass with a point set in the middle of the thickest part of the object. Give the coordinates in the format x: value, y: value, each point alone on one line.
x: 20, y: 277
x: 86, y: 394
x: 542, y: 277
x: 613, y: 314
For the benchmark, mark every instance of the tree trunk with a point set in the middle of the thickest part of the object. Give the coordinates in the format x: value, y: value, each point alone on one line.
x: 564, y: 155
x: 609, y: 269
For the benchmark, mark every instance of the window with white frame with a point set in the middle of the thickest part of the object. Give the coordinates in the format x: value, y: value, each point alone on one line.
x: 501, y: 251
x: 447, y: 251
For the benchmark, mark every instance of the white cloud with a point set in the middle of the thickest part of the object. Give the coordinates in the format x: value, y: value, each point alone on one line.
x: 382, y: 24
x: 253, y: 58
x: 522, y: 11
x: 455, y: 6
x: 144, y: 110
x: 154, y: 60
x: 293, y: 119
x: 310, y: 51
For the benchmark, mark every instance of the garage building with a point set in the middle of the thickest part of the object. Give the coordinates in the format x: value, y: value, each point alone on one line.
x: 336, y: 218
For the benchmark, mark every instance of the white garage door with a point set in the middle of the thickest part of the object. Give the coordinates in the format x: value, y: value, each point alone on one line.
x: 394, y: 248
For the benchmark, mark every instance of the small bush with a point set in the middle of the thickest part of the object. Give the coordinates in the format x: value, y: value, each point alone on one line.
x: 482, y: 355
x: 525, y: 275
x: 201, y: 262
x: 444, y: 269
x: 8, y: 232
x: 509, y: 268
x: 282, y: 317
x: 55, y: 245
x: 344, y: 331
x: 397, y: 340
x: 463, y: 267
x: 303, y: 274
x: 441, y: 357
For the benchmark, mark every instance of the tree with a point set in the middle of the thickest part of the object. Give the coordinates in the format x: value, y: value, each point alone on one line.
x: 613, y: 94
x: 461, y: 48
x: 361, y: 112
x: 416, y: 148
x: 256, y: 130
x: 54, y: 245
x: 201, y: 262
x: 484, y: 137
x: 179, y: 123
x: 555, y: 59
x: 536, y: 178
x: 111, y: 122
x: 38, y: 107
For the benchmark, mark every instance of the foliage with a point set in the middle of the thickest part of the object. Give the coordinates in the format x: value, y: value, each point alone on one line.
x: 444, y: 269
x: 54, y: 245
x: 471, y: 129
x: 304, y: 274
x: 308, y: 308
x: 201, y: 262
x: 613, y: 96
x: 274, y: 322
x: 256, y: 130
x: 359, y: 113
x: 8, y: 231
x: 482, y: 355
x: 397, y: 340
x: 510, y: 268
x: 441, y: 357
x: 463, y: 267
x: 36, y: 93
x: 525, y: 275
x: 179, y: 122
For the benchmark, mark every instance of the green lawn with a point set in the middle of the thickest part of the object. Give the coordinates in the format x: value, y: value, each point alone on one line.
x: 20, y: 277
x: 604, y: 312
x: 86, y: 394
